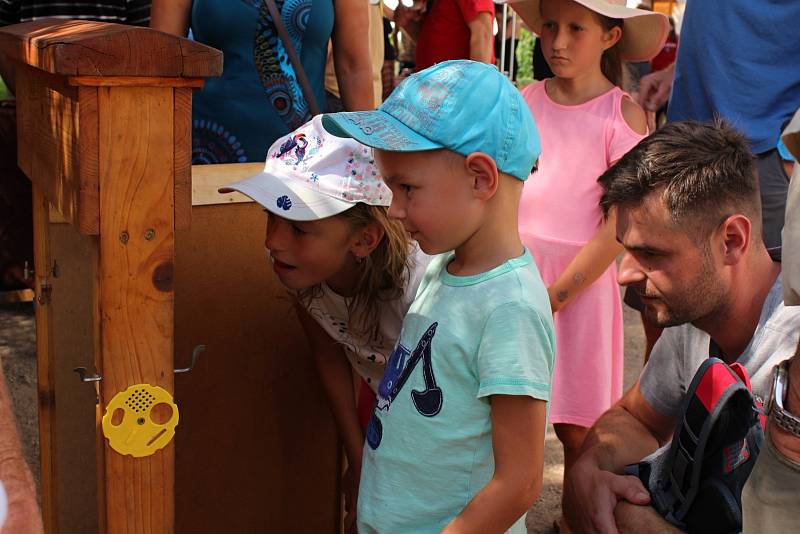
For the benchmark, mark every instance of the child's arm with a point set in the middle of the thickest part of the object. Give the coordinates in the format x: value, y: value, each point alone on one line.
x: 592, y: 261
x: 518, y: 426
x: 337, y: 381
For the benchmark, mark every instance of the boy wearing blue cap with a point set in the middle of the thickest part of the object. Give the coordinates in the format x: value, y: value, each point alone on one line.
x: 456, y: 441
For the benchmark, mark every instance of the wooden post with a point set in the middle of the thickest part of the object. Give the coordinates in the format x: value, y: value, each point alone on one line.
x: 104, y: 115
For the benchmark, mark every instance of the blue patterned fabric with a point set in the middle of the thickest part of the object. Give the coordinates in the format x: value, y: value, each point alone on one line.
x: 257, y: 99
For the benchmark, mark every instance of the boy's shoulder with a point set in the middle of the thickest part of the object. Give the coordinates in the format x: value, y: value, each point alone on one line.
x: 514, y: 284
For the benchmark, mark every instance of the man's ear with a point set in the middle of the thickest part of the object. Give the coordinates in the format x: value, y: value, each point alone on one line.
x: 485, y: 176
x: 367, y: 238
x: 736, y: 232
x: 612, y: 37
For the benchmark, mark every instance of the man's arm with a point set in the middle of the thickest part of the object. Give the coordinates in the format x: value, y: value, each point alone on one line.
x: 23, y: 510
x: 518, y: 426
x: 788, y: 444
x: 480, y: 38
x: 654, y: 88
x: 626, y: 433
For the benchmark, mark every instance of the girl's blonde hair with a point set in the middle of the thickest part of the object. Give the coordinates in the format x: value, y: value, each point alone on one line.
x: 385, y: 272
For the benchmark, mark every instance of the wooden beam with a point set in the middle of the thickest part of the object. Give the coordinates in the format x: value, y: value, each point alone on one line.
x: 135, y: 315
x: 85, y: 48
x: 135, y: 81
x: 44, y: 364
x: 206, y: 179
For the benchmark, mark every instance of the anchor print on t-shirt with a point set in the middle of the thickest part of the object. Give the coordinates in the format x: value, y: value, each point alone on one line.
x: 402, y: 363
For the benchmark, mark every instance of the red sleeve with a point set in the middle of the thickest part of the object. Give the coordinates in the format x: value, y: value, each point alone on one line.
x: 471, y: 8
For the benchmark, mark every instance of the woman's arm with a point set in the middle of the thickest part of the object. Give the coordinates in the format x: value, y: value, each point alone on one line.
x: 592, y: 261
x: 351, y: 54
x: 518, y: 425
x: 337, y: 381
x: 171, y: 16
x: 481, y: 38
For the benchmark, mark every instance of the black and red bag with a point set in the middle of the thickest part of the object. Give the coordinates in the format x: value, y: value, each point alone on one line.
x: 696, y: 480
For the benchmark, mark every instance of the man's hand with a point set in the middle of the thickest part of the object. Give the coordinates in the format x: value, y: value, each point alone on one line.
x: 407, y: 17
x: 654, y: 88
x: 591, y: 495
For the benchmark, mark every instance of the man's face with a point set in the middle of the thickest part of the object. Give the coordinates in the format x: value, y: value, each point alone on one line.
x: 679, y: 280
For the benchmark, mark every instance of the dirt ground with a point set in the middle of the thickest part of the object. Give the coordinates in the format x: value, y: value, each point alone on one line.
x: 18, y: 355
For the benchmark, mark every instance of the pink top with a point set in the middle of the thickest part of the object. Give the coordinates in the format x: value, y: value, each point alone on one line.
x: 560, y: 200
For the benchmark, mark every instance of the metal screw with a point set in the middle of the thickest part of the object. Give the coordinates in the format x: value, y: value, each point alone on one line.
x: 149, y: 234
x: 140, y: 420
x: 124, y: 238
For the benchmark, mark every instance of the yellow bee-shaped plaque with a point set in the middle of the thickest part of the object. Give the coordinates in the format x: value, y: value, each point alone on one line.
x: 137, y: 432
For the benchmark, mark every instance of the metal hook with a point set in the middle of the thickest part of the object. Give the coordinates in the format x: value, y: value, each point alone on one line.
x: 82, y: 372
x: 195, y: 353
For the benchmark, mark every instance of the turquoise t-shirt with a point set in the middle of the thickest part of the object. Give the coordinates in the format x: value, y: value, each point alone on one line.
x: 429, y: 443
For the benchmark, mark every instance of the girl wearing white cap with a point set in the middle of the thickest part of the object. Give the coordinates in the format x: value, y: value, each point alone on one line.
x: 353, y: 271
x: 586, y: 122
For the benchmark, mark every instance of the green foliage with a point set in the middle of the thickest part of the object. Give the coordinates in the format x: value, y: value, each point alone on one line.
x: 5, y: 94
x: 524, y: 58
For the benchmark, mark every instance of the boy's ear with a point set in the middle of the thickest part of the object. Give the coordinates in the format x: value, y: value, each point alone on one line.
x: 612, y: 37
x: 367, y: 238
x: 483, y: 171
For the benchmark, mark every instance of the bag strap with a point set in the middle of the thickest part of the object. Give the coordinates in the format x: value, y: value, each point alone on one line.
x: 302, y: 79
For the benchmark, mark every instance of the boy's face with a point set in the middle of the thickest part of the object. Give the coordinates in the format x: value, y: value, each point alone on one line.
x: 431, y: 195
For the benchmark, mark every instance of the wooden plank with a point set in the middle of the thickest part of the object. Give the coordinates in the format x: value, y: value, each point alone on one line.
x: 44, y: 367
x: 256, y: 448
x: 136, y: 290
x: 135, y: 81
x: 85, y: 48
x: 206, y: 179
x: 73, y: 333
x: 17, y: 295
x: 88, y: 161
x: 183, y: 158
x: 47, y: 126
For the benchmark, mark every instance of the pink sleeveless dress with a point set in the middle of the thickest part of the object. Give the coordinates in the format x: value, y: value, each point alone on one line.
x: 559, y: 214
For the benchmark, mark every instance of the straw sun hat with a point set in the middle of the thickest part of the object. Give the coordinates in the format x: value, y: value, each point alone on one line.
x: 643, y: 34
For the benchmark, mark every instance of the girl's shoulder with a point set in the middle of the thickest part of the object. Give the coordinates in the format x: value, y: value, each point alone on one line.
x: 633, y: 114
x: 532, y: 88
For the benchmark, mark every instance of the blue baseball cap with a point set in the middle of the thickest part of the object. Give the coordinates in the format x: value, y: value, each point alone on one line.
x: 460, y: 105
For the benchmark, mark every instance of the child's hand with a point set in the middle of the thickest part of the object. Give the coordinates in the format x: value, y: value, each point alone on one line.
x: 350, y: 481
x: 556, y: 300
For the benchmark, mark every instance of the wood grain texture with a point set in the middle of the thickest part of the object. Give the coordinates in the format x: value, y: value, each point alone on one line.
x: 183, y: 157
x: 134, y: 81
x: 47, y: 128
x: 207, y: 179
x: 256, y: 449
x: 73, y: 344
x: 88, y: 161
x: 44, y: 367
x: 136, y: 295
x: 84, y: 48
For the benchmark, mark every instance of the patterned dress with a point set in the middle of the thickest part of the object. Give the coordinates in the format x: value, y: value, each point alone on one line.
x: 237, y: 116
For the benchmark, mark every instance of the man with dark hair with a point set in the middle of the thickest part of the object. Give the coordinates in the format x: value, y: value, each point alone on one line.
x: 688, y: 212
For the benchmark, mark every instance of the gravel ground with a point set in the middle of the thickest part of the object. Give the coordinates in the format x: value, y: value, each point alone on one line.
x: 18, y: 355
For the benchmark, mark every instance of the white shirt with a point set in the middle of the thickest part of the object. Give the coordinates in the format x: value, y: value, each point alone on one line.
x: 368, y: 356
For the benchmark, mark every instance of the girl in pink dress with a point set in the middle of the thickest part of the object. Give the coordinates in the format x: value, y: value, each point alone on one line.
x: 586, y: 123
